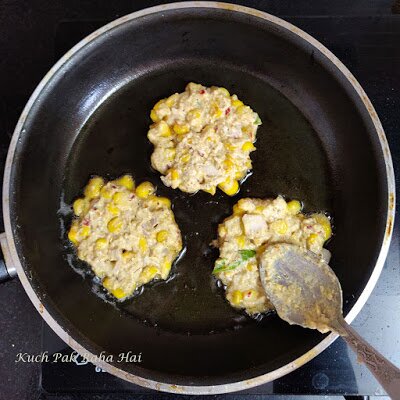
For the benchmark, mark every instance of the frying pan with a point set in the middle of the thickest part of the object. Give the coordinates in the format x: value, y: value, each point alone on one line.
x: 321, y: 141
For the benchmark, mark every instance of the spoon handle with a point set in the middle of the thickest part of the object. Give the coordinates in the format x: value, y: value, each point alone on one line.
x: 384, y: 371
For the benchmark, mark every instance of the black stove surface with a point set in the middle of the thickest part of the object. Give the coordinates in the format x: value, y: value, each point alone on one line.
x: 366, y: 37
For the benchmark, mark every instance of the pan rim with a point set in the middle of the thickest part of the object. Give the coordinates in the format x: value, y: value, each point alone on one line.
x: 270, y: 376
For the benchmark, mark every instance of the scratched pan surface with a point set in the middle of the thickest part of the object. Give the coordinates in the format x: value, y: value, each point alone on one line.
x: 316, y: 144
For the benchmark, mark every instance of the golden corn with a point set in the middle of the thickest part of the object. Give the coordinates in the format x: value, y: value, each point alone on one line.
x: 144, y: 190
x: 113, y: 209
x: 224, y: 91
x: 73, y: 232
x: 154, y: 116
x: 229, y: 147
x: 164, y: 201
x: 193, y: 114
x: 114, y: 225
x: 143, y: 244
x: 241, y: 109
x: 237, y: 210
x: 217, y: 112
x: 237, y: 297
x: 118, y: 293
x: 170, y: 154
x: 323, y: 220
x: 251, y: 267
x: 105, y: 192
x: 174, y: 174
x: 180, y: 129
x: 161, y: 236
x: 237, y: 103
x: 121, y: 198
x: 164, y: 129
x: 148, y: 273
x: 312, y: 239
x: 248, y: 146
x: 159, y: 104
x: 211, y: 190
x: 84, y: 231
x: 101, y: 243
x: 126, y: 181
x: 127, y: 255
x: 228, y: 164
x: 230, y: 187
x: 279, y: 226
x: 294, y: 207
x: 93, y: 188
x: 80, y: 206
x: 241, y: 240
x: 171, y: 100
x: 186, y: 158
x: 260, y: 209
x: 165, y: 268
x: 107, y: 283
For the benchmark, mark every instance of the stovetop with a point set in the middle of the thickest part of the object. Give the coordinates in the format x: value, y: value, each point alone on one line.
x: 366, y: 37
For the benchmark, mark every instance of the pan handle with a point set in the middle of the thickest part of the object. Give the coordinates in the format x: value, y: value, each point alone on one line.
x: 7, y: 269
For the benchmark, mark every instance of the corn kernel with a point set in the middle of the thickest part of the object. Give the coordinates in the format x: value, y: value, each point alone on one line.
x: 237, y: 103
x: 105, y: 192
x: 165, y: 268
x: 230, y: 187
x: 144, y: 190
x: 248, y: 146
x: 180, y: 129
x: 121, y: 198
x: 153, y: 115
x: 240, y: 175
x: 237, y: 210
x: 228, y: 164
x: 193, y: 114
x: 73, y: 232
x: 170, y: 154
x: 279, y: 226
x: 211, y: 190
x: 143, y: 244
x: 248, y: 130
x: 224, y: 91
x: 127, y: 255
x: 260, y: 209
x: 229, y: 147
x: 161, y: 236
x: 101, y: 243
x: 217, y: 112
x: 84, y: 232
x: 148, y: 273
x: 93, y: 188
x: 126, y: 181
x: 118, y: 293
x: 163, y: 201
x: 186, y: 158
x: 80, y: 206
x: 241, y: 240
x: 312, y: 239
x: 112, y: 208
x: 174, y: 174
x: 159, y: 103
x: 323, y: 220
x: 294, y: 207
x: 171, y: 100
x: 164, y: 129
x: 114, y: 225
x: 241, y: 109
x: 251, y: 267
x: 107, y: 283
x: 237, y: 297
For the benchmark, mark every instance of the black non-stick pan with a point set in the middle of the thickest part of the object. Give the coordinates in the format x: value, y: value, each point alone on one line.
x: 321, y: 142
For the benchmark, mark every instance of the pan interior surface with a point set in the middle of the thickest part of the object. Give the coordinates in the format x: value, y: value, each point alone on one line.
x: 316, y: 144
